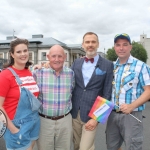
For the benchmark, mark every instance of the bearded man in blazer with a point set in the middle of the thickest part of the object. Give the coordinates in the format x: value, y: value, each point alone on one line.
x: 93, y: 77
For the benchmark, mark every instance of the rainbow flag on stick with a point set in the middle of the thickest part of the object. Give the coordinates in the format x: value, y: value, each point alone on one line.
x: 101, y: 109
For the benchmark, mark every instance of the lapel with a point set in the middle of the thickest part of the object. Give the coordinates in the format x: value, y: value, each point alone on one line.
x: 99, y: 63
x: 80, y: 71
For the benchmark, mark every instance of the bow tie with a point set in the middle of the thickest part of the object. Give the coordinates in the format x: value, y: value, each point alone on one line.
x: 89, y: 59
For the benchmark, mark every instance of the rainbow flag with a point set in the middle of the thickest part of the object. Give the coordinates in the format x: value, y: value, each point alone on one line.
x: 101, y: 109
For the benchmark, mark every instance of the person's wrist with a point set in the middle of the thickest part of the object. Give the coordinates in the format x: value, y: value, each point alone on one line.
x: 95, y: 120
x: 132, y: 106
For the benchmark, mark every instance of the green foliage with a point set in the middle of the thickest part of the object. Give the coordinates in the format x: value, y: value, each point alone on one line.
x: 138, y: 51
x: 111, y: 55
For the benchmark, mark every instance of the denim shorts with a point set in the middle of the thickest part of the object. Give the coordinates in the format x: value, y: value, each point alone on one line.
x: 28, y: 131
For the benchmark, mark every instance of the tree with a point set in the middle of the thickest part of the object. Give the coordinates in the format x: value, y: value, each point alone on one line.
x: 138, y: 51
x: 111, y: 55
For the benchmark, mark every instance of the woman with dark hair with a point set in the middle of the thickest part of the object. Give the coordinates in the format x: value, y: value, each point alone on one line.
x: 18, y: 92
x: 13, y: 44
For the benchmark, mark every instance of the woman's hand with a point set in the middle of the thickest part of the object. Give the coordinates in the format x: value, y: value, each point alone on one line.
x: 14, y: 130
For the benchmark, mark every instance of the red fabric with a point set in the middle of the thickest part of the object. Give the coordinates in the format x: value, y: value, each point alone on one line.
x: 10, y: 89
x: 89, y: 59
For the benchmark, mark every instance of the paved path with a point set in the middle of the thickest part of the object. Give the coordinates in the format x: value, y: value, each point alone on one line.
x: 100, y: 136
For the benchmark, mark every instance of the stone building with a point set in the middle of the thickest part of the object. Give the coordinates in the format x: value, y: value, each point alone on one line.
x: 146, y: 44
x: 38, y: 48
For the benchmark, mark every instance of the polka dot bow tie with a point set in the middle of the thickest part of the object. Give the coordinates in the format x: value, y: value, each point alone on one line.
x: 89, y: 59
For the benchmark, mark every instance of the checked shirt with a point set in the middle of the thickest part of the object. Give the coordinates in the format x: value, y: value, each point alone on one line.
x: 129, y: 80
x: 55, y: 91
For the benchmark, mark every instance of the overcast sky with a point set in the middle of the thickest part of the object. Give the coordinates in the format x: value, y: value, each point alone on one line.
x: 68, y: 20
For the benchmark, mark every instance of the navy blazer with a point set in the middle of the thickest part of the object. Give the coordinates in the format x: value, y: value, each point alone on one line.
x: 83, y: 97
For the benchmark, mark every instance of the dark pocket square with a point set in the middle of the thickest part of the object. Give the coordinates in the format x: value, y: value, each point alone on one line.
x: 99, y: 71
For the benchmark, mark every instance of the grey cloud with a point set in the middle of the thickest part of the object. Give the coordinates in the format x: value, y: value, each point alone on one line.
x: 68, y: 20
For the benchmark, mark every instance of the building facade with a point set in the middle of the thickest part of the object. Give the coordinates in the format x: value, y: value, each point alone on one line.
x: 102, y: 54
x: 39, y: 47
x: 146, y: 44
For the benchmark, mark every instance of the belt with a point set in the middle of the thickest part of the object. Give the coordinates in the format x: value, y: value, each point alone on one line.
x: 120, y: 112
x: 53, y: 118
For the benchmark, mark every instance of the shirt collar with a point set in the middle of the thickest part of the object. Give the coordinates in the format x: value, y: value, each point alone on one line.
x: 129, y: 61
x: 96, y: 58
x: 51, y: 69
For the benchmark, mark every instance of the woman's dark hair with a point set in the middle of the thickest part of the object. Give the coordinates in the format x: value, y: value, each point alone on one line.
x: 13, y: 44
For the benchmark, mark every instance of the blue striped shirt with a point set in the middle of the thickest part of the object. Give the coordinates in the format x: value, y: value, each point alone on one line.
x: 129, y: 80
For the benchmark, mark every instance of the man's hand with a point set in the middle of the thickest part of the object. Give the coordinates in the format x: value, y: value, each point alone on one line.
x: 91, y: 125
x: 46, y: 65
x: 126, y: 108
x: 37, y: 67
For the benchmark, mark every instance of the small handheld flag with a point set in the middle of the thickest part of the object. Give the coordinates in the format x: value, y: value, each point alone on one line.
x: 101, y: 109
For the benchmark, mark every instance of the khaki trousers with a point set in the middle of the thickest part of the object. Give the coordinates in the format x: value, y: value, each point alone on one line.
x: 55, y: 135
x: 82, y: 139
